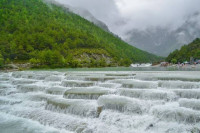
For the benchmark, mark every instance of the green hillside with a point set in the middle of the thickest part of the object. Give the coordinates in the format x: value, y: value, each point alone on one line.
x: 186, y: 51
x: 49, y: 35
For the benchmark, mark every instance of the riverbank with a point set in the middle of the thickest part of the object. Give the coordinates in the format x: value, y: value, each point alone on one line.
x: 151, y: 68
x: 16, y: 67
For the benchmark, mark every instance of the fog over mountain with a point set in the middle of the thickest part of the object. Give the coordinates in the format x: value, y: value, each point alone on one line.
x: 82, y: 12
x: 157, y: 26
x: 162, y: 40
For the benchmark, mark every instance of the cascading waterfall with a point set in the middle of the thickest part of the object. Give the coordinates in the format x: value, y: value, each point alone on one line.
x: 100, y: 102
x: 86, y: 93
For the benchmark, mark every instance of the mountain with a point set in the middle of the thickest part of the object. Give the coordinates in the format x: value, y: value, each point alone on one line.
x: 162, y: 41
x: 46, y: 34
x: 87, y: 15
x: 83, y: 13
x: 186, y: 51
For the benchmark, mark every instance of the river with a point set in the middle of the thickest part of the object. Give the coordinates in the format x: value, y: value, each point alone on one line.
x: 100, y: 102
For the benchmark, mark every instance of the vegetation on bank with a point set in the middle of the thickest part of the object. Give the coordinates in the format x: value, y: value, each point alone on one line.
x: 48, y: 35
x: 186, y: 51
x: 1, y: 61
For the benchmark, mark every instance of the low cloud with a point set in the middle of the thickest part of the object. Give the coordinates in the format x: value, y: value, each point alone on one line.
x: 122, y: 16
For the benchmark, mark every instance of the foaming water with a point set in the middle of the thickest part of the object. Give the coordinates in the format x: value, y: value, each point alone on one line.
x: 13, y: 124
x: 100, y: 102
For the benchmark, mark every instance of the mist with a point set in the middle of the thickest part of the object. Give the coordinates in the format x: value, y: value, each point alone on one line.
x: 122, y: 16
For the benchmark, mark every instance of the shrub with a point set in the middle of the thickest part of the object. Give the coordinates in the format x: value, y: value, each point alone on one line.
x: 1, y: 60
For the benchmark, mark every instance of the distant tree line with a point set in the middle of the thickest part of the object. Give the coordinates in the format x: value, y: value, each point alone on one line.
x: 186, y: 51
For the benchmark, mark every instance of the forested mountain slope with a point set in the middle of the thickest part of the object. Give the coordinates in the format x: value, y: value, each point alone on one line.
x: 186, y: 51
x: 49, y: 35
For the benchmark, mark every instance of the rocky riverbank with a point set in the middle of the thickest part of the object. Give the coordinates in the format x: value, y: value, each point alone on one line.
x: 16, y: 67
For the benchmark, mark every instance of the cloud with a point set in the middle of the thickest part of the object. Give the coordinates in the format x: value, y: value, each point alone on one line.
x: 144, y: 13
x: 124, y: 15
x: 102, y: 9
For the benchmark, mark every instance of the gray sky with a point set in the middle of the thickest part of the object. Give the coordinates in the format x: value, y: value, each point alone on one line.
x: 123, y: 15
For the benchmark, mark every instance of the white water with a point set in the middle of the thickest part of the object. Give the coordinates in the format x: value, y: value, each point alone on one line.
x: 100, y: 102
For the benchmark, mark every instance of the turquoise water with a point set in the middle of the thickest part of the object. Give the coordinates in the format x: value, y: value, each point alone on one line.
x: 128, y: 69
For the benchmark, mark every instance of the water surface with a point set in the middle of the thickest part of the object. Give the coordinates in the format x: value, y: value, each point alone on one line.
x: 81, y: 101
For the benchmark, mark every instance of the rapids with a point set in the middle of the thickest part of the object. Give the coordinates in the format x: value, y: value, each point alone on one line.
x: 100, y: 102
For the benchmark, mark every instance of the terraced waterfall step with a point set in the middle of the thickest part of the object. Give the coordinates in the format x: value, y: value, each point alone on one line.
x: 57, y: 90
x: 176, y: 113
x: 188, y: 93
x: 87, y: 108
x: 76, y: 83
x: 190, y: 103
x: 179, y: 84
x: 30, y: 88
x: 62, y: 101
x: 86, y: 92
x: 137, y: 84
x: 122, y: 104
x: 153, y: 94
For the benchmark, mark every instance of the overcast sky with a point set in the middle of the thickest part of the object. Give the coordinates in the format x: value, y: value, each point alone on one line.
x: 123, y: 15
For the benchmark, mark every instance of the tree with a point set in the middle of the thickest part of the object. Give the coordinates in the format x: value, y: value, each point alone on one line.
x: 197, y: 54
x: 34, y: 61
x: 186, y: 51
x: 174, y: 61
x: 1, y: 60
x: 125, y: 62
x: 102, y: 62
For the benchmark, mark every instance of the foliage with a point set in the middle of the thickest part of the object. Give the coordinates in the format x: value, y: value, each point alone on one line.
x: 174, y: 61
x: 1, y: 61
x: 45, y: 35
x: 125, y: 62
x: 48, y: 58
x: 186, y: 51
